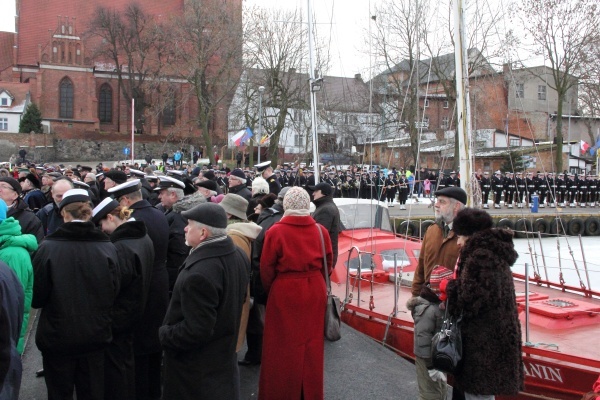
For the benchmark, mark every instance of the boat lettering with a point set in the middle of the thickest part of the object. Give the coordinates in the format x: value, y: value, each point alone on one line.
x: 543, y: 372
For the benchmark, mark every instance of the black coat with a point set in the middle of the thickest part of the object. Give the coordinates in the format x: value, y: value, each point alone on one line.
x: 11, y: 318
x: 146, y: 333
x: 75, y: 284
x: 491, y: 332
x: 50, y: 217
x: 266, y: 219
x: 328, y: 215
x: 136, y: 258
x: 200, y: 331
x: 27, y: 219
x: 241, y: 190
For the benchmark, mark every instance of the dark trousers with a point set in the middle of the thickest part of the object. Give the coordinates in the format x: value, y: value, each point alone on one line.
x: 82, y: 373
x: 254, y: 333
x: 119, y: 369
x: 147, y: 376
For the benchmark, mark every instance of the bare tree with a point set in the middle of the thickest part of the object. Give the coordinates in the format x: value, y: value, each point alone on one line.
x: 274, y: 45
x: 565, y: 33
x: 589, y: 94
x: 133, y: 41
x: 206, y: 53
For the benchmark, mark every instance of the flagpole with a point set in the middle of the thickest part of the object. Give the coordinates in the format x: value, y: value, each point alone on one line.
x: 132, y: 128
x: 261, y: 89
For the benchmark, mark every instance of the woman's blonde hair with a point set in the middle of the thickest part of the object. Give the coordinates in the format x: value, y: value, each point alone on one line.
x: 79, y: 210
x: 123, y: 213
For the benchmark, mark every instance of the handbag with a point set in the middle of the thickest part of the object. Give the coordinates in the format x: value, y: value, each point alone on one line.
x: 446, y: 345
x: 333, y: 323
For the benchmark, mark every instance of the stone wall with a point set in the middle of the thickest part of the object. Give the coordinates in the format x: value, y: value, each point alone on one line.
x: 88, y: 147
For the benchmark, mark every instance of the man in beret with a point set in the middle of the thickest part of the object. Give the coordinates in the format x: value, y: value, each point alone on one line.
x: 439, y: 248
x: 200, y: 330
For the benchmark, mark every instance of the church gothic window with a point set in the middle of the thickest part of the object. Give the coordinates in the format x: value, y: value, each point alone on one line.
x: 105, y: 103
x: 66, y: 98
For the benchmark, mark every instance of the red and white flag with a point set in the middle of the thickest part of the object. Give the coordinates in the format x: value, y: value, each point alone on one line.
x: 584, y: 146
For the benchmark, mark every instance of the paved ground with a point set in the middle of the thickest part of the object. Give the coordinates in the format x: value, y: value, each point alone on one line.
x: 355, y: 368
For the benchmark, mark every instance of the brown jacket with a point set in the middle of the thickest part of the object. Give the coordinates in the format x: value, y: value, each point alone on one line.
x: 435, y: 250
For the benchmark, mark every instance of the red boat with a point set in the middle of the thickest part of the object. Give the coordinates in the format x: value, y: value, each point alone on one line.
x: 561, y: 323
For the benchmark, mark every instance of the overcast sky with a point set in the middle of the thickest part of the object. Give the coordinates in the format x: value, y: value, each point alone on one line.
x: 7, y: 15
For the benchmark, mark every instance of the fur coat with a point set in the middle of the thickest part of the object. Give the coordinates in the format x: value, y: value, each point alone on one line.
x: 491, y: 332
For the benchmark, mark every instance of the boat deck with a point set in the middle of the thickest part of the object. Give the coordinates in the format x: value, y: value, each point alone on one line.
x: 356, y: 367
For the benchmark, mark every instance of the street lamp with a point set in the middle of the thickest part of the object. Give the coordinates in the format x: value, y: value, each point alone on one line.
x: 261, y: 90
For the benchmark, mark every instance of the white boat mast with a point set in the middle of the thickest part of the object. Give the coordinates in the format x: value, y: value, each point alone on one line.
x: 313, y: 96
x: 463, y: 105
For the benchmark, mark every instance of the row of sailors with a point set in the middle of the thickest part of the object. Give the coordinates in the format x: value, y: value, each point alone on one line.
x: 552, y: 189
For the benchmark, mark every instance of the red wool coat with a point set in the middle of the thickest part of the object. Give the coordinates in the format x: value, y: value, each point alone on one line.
x: 291, y: 268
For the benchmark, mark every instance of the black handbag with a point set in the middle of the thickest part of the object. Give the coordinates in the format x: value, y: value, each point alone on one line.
x: 446, y: 345
x: 333, y: 323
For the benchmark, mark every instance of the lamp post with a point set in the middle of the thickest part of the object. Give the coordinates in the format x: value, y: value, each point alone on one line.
x: 261, y: 90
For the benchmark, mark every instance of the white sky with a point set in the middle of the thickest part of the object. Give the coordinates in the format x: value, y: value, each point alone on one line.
x: 7, y: 15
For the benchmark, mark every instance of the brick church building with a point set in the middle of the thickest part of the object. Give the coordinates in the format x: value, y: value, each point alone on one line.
x: 52, y: 56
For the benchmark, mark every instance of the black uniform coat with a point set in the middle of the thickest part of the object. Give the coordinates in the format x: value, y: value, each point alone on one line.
x: 75, y: 284
x: 146, y: 334
x: 491, y: 332
x: 136, y: 258
x: 27, y: 219
x: 328, y: 215
x: 50, y: 217
x: 201, y: 327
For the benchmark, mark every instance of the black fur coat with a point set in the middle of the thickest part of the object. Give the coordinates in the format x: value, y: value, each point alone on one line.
x: 485, y: 295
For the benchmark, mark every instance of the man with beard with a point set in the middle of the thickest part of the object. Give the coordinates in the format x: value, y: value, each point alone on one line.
x: 439, y: 248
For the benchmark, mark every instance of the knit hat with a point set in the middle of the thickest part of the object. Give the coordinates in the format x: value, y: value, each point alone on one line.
x: 296, y: 198
x: 282, y: 192
x: 438, y: 274
x: 235, y: 205
x: 210, y: 214
x: 260, y: 186
x: 3, y: 209
x: 239, y: 174
x: 12, y: 182
x: 470, y: 221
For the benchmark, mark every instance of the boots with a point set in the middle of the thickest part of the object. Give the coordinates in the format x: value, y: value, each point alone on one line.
x: 254, y: 354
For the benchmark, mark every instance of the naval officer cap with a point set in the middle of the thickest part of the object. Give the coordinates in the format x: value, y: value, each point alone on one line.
x: 136, y: 172
x: 125, y: 188
x: 81, y: 185
x: 103, y: 209
x: 167, y: 182
x: 454, y: 193
x: 262, y: 166
x: 175, y: 172
x: 74, y: 196
x: 151, y: 178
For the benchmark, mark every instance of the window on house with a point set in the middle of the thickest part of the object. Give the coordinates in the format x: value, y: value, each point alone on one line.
x: 3, y: 124
x: 66, y: 98
x: 520, y: 90
x: 515, y: 142
x: 105, y: 103
x: 298, y: 139
x: 444, y: 122
x: 426, y: 104
x: 446, y: 104
x: 168, y: 114
x: 4, y: 101
x: 542, y: 92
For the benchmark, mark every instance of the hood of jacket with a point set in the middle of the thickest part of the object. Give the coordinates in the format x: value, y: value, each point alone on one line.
x: 248, y: 229
x: 189, y: 202
x: 500, y: 240
x: 10, y: 236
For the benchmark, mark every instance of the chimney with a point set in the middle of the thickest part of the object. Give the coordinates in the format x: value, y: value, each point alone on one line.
x: 358, y: 77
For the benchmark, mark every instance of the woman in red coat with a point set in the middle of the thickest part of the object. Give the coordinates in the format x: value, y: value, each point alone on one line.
x: 291, y: 268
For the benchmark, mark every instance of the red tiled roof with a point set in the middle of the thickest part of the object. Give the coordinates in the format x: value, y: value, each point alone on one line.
x: 37, y: 18
x: 17, y: 90
x: 7, y: 41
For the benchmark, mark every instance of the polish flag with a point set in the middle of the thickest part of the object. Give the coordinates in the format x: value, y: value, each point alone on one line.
x: 584, y: 146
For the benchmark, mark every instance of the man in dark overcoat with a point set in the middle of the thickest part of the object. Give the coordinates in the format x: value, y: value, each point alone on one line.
x: 200, y: 331
x: 147, y: 348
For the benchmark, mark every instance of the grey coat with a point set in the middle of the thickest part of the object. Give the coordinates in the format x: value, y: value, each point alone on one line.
x: 428, y: 320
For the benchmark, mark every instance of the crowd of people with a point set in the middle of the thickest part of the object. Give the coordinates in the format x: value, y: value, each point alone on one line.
x: 144, y: 279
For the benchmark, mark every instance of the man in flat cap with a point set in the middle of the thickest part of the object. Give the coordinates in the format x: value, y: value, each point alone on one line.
x: 439, y: 248
x: 266, y: 172
x: 147, y: 349
x: 199, y: 334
